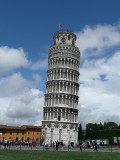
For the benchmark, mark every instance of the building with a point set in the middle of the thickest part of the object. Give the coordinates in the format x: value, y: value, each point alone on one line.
x: 23, y: 133
x: 60, y: 111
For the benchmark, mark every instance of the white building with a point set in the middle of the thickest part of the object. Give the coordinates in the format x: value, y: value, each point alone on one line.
x: 60, y: 112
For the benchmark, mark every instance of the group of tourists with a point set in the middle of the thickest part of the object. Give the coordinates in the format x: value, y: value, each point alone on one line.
x: 89, y: 144
x: 8, y: 143
x: 56, y: 145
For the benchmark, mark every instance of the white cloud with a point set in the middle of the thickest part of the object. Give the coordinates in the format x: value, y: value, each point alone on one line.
x: 100, y: 98
x: 41, y: 64
x: 93, y: 40
x: 28, y: 104
x: 11, y: 58
x: 20, y: 103
x: 13, y: 85
x: 25, y: 108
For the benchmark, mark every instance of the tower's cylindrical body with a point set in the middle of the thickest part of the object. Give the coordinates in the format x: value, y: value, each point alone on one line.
x: 60, y: 112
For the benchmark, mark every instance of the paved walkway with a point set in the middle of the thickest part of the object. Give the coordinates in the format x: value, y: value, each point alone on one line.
x: 101, y: 149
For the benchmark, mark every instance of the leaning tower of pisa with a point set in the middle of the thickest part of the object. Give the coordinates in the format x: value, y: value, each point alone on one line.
x: 60, y: 111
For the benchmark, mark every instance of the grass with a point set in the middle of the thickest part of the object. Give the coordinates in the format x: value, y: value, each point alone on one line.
x: 56, y: 155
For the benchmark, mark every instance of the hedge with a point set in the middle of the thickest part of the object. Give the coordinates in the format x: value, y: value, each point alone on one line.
x: 109, y: 134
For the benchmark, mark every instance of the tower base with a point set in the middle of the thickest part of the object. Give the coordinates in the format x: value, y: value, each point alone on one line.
x: 60, y: 131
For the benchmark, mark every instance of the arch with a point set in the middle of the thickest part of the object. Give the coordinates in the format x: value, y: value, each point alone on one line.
x: 68, y: 37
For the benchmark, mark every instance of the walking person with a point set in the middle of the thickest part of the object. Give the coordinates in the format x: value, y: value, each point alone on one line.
x: 43, y: 145
x: 53, y: 145
x: 80, y: 146
x: 69, y: 146
x: 83, y: 145
x: 95, y: 145
x: 5, y: 143
x: 57, y: 144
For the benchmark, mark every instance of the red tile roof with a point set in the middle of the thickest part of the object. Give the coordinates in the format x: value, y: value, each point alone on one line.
x: 21, y: 127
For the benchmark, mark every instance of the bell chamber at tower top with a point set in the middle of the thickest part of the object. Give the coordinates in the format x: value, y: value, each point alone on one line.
x: 64, y: 37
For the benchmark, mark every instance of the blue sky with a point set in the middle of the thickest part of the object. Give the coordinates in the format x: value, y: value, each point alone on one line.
x: 26, y: 31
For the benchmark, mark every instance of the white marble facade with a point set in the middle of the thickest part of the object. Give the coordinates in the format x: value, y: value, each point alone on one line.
x: 60, y: 112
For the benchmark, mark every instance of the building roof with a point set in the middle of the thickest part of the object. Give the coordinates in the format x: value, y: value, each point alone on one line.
x: 23, y: 127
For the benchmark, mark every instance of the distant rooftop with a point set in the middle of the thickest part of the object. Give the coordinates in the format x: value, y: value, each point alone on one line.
x: 21, y: 127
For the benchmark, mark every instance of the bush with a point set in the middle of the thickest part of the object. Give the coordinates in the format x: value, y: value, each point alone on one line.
x: 109, y: 134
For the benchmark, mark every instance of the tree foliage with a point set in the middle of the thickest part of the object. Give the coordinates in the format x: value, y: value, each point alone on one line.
x: 106, y: 131
x: 92, y: 131
x: 109, y: 134
x: 110, y: 125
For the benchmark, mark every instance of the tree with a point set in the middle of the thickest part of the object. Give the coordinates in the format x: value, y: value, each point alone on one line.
x: 89, y: 127
x: 110, y: 125
x: 95, y: 132
x: 101, y: 126
x: 92, y: 131
x: 80, y: 134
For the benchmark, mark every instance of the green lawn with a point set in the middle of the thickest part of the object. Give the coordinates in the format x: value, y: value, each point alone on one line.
x: 56, y: 155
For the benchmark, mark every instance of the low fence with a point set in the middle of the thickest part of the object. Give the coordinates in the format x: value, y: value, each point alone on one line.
x: 108, y: 148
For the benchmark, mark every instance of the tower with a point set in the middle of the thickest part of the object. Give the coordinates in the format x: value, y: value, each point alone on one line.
x: 60, y: 111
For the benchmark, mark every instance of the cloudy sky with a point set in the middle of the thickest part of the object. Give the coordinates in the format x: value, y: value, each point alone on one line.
x: 26, y: 31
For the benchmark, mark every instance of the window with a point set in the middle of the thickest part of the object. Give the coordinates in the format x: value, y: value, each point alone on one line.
x: 28, y: 139
x: 59, y: 117
x: 73, y: 43
x: 22, y: 139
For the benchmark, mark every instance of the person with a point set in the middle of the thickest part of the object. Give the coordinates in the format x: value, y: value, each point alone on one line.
x: 57, y: 144
x: 81, y: 146
x: 95, y: 145
x: 88, y: 146
x: 5, y: 143
x: 91, y: 144
x: 53, y: 145
x: 103, y: 144
x: 62, y: 145
x: 69, y: 146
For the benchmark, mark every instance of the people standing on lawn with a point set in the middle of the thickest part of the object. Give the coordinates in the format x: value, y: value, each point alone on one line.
x: 80, y: 146
x: 83, y: 145
x: 53, y: 145
x: 5, y: 144
x: 57, y: 145
x: 43, y: 145
x: 95, y: 146
x: 69, y: 146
